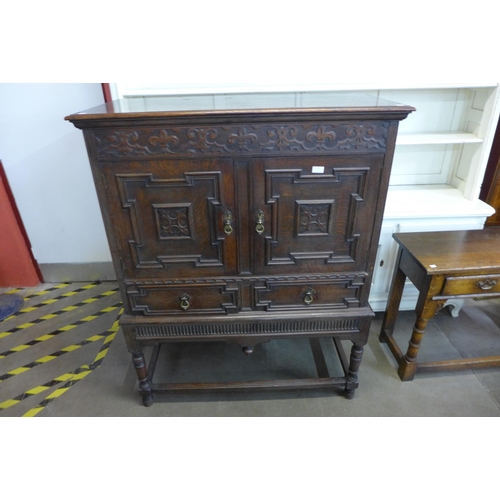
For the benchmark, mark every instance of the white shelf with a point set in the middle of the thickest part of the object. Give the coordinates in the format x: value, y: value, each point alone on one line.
x: 437, y: 138
x: 432, y: 201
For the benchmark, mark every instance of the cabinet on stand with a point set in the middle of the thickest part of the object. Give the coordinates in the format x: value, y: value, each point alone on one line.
x: 243, y: 225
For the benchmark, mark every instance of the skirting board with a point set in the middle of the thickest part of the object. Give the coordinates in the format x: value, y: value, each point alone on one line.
x: 87, y: 271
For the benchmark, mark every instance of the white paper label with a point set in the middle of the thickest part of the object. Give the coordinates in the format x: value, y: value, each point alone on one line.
x: 318, y: 170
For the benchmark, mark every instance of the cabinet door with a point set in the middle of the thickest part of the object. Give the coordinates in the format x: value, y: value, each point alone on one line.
x: 172, y: 218
x: 314, y: 214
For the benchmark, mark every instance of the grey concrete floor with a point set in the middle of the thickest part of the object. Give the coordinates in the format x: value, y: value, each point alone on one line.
x: 110, y: 390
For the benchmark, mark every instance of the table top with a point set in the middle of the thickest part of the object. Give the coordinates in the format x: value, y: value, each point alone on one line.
x: 454, y: 251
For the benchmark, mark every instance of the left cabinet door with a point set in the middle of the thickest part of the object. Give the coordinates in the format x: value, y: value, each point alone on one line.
x: 172, y: 218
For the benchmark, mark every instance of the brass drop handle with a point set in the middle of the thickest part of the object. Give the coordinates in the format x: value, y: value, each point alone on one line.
x: 486, y: 284
x: 309, y: 296
x: 228, y: 222
x: 184, y: 301
x: 259, y: 218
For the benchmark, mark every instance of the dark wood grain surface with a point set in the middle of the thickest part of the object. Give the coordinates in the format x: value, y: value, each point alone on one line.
x: 244, y: 225
x: 454, y: 251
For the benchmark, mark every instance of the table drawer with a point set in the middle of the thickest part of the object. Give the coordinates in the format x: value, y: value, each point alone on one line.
x: 337, y: 293
x: 183, y: 299
x: 472, y: 285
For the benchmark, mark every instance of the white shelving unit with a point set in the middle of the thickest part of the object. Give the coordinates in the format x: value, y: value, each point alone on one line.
x: 439, y: 164
x: 441, y: 152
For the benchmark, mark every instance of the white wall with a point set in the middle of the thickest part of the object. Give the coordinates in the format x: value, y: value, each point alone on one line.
x: 47, y: 166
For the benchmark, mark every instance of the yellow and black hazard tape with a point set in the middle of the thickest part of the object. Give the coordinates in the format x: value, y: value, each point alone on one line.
x: 49, y: 336
x: 81, y: 372
x: 35, y: 390
x: 6, y: 333
x: 65, y: 328
x: 71, y: 377
x: 39, y: 292
x: 50, y: 301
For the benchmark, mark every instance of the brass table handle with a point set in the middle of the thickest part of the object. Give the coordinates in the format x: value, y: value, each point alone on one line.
x: 184, y: 301
x: 486, y: 284
x: 309, y: 296
x: 228, y: 222
x: 260, y: 222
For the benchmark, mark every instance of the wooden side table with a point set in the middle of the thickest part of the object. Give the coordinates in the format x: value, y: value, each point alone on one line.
x: 443, y: 266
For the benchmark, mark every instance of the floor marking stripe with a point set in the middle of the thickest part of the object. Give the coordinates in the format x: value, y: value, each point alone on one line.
x: 31, y: 295
x: 80, y: 373
x: 63, y: 329
x: 49, y: 301
x: 45, y: 337
x: 38, y: 389
x: 70, y: 377
x: 6, y: 333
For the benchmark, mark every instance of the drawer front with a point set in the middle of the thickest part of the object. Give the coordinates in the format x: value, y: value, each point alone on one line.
x: 151, y: 299
x: 472, y: 285
x: 340, y: 293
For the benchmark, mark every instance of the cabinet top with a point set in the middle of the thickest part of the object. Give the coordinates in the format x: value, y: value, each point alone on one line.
x: 335, y: 106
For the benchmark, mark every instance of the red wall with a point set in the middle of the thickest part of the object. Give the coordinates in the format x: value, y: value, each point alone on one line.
x: 17, y: 265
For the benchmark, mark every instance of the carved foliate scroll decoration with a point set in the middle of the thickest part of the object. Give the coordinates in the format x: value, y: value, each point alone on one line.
x: 360, y: 137
x: 241, y: 139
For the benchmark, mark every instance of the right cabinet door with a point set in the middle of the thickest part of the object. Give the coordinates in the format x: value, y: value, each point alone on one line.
x: 314, y: 214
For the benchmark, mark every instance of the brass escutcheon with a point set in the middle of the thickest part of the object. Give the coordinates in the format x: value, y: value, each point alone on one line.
x: 309, y: 296
x: 184, y: 301
x: 259, y: 218
x: 228, y: 222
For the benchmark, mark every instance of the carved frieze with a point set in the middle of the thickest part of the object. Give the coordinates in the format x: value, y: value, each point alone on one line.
x: 260, y: 328
x: 241, y: 139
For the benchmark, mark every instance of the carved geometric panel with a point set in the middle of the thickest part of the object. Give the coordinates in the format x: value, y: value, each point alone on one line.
x: 174, y: 220
x: 313, y: 217
x: 169, y: 216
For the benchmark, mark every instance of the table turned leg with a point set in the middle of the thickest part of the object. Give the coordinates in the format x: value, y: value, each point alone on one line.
x: 395, y: 294
x: 425, y: 310
x: 352, y: 374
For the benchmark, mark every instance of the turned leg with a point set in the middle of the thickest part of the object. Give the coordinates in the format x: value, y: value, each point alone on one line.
x: 425, y: 310
x: 352, y: 374
x: 142, y: 375
x: 395, y: 294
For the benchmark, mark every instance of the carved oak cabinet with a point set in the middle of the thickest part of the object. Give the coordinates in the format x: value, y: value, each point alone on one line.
x: 243, y: 225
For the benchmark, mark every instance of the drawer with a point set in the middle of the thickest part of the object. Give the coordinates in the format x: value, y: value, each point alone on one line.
x: 338, y: 293
x: 183, y: 299
x: 472, y: 285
